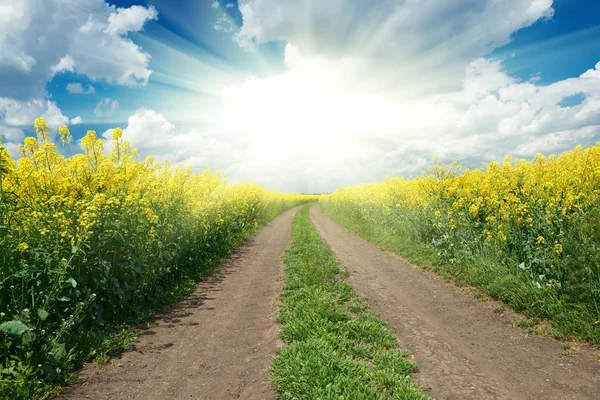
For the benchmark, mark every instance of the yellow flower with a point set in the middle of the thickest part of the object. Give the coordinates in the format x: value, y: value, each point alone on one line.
x: 30, y: 141
x: 474, y: 210
x: 40, y: 124
x: 539, y: 240
x: 23, y: 247
x: 65, y: 135
x: 117, y: 134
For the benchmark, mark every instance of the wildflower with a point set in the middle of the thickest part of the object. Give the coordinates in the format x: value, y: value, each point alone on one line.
x: 22, y: 247
x: 117, y: 134
x: 474, y: 210
x: 539, y: 240
x: 65, y: 135
x: 41, y: 129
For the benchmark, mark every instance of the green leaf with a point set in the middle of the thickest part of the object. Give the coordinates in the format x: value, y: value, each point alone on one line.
x: 14, y: 327
x: 43, y: 314
x: 59, y: 350
x: 72, y: 281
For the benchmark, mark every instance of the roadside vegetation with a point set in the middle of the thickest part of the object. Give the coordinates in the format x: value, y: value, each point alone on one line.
x: 527, y: 232
x: 336, y: 348
x: 92, y: 243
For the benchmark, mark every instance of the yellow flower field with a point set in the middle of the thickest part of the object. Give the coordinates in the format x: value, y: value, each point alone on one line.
x: 91, y: 241
x: 532, y: 222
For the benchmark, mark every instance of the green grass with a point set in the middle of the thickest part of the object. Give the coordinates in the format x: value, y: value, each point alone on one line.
x: 336, y: 350
x: 570, y: 320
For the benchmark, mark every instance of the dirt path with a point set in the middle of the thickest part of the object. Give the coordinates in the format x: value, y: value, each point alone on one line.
x: 216, y: 344
x: 465, y: 350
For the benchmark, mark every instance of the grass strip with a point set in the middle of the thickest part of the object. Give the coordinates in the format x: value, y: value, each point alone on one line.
x: 336, y: 349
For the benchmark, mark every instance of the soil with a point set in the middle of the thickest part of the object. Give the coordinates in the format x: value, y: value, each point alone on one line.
x: 216, y: 344
x: 464, y: 349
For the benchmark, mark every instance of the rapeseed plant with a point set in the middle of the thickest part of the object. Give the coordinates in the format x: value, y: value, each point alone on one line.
x: 93, y: 241
x: 535, y: 221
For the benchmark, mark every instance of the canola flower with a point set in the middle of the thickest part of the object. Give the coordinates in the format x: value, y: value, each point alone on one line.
x: 90, y: 241
x: 538, y: 218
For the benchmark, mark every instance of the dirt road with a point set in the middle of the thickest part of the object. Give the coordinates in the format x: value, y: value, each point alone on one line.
x: 465, y: 350
x: 216, y: 344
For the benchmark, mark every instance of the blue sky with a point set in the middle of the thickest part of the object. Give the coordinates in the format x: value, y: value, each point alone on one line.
x: 300, y: 95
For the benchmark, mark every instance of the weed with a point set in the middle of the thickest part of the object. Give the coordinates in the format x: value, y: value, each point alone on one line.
x: 480, y: 295
x: 498, y: 309
x: 527, y: 322
x: 569, y: 351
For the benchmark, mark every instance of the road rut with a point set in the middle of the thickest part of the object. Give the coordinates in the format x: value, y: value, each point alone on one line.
x: 216, y: 344
x: 465, y: 350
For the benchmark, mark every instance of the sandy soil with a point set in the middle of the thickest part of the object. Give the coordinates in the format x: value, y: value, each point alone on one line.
x: 464, y: 349
x: 216, y: 344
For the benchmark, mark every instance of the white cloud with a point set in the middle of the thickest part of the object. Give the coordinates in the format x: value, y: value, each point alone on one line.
x: 106, y: 107
x: 152, y: 134
x: 39, y: 39
x: 229, y: 5
x: 65, y: 64
x: 77, y: 88
x: 17, y: 116
x: 130, y: 19
x: 224, y: 24
x: 22, y: 114
x: 76, y: 121
x: 11, y: 134
x: 215, y: 4
x: 416, y: 46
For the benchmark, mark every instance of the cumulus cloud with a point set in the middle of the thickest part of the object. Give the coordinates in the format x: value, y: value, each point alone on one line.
x: 17, y: 116
x: 77, y: 88
x: 39, y: 39
x: 130, y: 19
x: 65, y: 64
x: 76, y: 121
x: 106, y: 106
x: 22, y: 114
x: 419, y: 46
x: 152, y: 134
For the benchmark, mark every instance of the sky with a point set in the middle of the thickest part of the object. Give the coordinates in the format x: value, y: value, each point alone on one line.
x: 304, y: 95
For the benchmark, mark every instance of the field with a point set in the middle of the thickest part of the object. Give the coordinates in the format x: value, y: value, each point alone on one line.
x: 527, y: 232
x: 92, y: 243
x: 103, y: 252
